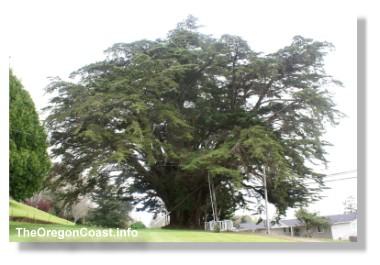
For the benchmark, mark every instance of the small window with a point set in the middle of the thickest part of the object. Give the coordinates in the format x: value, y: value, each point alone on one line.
x: 284, y: 230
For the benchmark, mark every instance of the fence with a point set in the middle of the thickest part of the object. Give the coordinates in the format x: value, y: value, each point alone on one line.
x: 224, y: 225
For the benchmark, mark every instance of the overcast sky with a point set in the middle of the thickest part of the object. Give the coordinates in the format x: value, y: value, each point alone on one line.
x: 54, y: 39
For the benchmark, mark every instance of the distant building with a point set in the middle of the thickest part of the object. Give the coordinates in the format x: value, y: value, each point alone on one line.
x: 340, y: 227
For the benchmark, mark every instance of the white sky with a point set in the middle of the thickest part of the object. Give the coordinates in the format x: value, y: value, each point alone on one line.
x: 53, y: 39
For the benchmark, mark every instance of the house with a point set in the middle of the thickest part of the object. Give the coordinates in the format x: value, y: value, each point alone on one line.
x: 340, y: 227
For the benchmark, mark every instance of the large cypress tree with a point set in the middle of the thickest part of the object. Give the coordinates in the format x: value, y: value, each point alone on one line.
x: 157, y: 117
x: 28, y: 159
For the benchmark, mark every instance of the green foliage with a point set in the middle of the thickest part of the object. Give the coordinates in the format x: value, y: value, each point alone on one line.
x: 164, y: 114
x: 112, y: 210
x: 110, y: 213
x: 29, y: 163
x: 247, y: 219
x: 138, y: 225
x: 311, y: 220
x: 243, y: 219
x: 216, y: 228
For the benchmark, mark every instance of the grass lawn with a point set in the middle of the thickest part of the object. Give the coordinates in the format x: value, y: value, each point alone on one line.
x: 20, y: 210
x: 144, y: 235
x: 30, y: 216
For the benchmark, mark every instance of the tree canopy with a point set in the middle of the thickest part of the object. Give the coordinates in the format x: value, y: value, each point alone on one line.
x: 28, y: 159
x: 157, y: 116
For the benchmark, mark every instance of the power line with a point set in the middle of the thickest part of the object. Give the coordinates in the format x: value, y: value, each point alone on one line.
x: 341, y: 173
x: 332, y: 180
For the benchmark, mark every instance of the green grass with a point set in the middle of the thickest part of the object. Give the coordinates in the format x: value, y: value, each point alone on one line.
x: 144, y: 235
x: 60, y: 225
x: 20, y: 210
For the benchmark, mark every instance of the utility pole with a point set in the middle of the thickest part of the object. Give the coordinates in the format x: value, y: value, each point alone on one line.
x: 267, y: 223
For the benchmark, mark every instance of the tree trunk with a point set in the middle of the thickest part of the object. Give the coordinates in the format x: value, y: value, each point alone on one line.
x: 186, y: 219
x: 191, y: 213
x: 187, y: 199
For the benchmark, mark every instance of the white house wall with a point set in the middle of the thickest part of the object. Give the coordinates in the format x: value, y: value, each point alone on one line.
x: 344, y: 231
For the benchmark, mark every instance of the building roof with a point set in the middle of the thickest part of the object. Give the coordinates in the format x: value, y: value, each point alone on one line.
x: 248, y: 226
x: 332, y: 219
x: 342, y: 218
